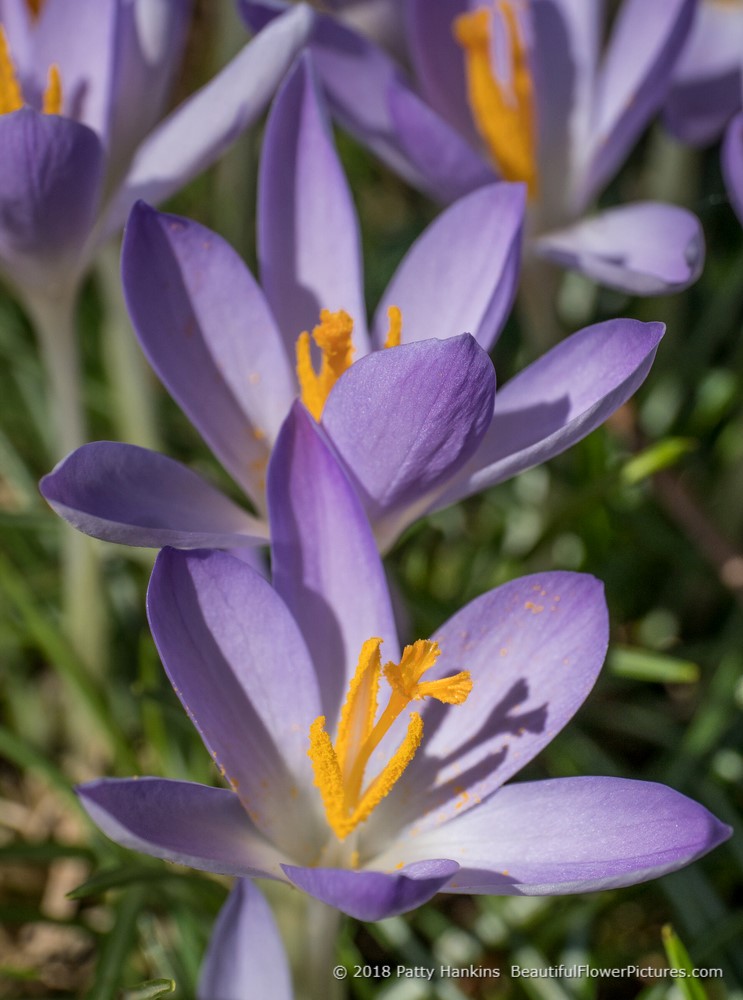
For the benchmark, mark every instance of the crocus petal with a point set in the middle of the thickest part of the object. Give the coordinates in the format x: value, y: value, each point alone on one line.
x: 207, y: 331
x: 309, y: 245
x: 325, y: 560
x: 15, y: 18
x: 405, y: 419
x: 239, y: 665
x: 123, y: 493
x: 534, y: 648
x: 205, y: 125
x: 374, y: 895
x: 557, y: 400
x: 49, y: 188
x: 461, y: 274
x: 245, y: 956
x: 632, y: 84
x: 180, y: 821
x: 569, y: 835
x: 732, y: 164
x: 647, y: 248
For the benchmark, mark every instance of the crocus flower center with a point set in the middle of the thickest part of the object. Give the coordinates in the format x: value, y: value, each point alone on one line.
x: 11, y: 96
x: 339, y: 767
x: 334, y: 337
x: 502, y: 109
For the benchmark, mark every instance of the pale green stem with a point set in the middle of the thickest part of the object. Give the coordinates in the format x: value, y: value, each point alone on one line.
x: 537, y: 303
x: 130, y: 378
x: 53, y: 317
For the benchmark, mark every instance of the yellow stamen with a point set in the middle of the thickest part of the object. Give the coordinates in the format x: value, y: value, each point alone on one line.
x: 53, y: 93
x: 11, y: 98
x: 394, y: 333
x: 339, y: 770
x: 333, y: 337
x: 503, y: 115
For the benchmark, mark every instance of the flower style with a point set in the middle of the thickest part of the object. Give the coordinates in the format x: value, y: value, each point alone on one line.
x: 520, y: 89
x: 373, y: 809
x: 415, y: 425
x: 79, y: 112
x: 245, y: 956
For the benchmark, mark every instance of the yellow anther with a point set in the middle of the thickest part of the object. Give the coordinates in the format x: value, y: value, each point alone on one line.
x: 53, y: 93
x: 334, y: 338
x: 394, y: 333
x: 11, y: 98
x: 339, y: 770
x: 503, y: 111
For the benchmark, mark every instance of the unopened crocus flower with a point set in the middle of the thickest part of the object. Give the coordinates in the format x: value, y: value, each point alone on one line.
x: 371, y: 777
x: 245, y: 957
x: 415, y: 425
x: 524, y: 90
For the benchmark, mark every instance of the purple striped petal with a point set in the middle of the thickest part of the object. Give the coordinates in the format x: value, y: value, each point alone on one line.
x: 646, y: 248
x: 245, y: 956
x: 373, y: 895
x: 325, y: 560
x: 461, y: 274
x: 732, y: 164
x: 126, y: 494
x: 236, y: 660
x: 405, y: 419
x: 558, y: 400
x: 203, y: 127
x: 207, y: 331
x: 180, y: 821
x: 534, y: 648
x: 309, y: 245
x: 567, y: 835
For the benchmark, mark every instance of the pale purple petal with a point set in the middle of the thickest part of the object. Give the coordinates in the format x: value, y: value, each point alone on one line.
x: 559, y: 399
x: 633, y: 82
x: 646, y: 248
x: 374, y: 895
x: 461, y: 274
x: 245, y: 956
x: 309, y: 245
x: 49, y: 189
x: 236, y: 660
x: 15, y: 18
x: 203, y: 127
x: 126, y: 494
x: 568, y: 835
x: 405, y: 419
x: 534, y: 648
x: 181, y: 821
x: 325, y: 560
x: 208, y: 333
x: 732, y: 164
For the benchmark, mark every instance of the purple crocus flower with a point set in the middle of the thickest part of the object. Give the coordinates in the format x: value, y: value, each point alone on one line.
x: 524, y: 91
x: 83, y: 84
x: 415, y: 425
x: 245, y: 957
x: 372, y: 808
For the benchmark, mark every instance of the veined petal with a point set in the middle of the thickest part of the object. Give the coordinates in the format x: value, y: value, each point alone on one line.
x: 123, y: 493
x: 534, y: 648
x: 238, y: 663
x: 732, y: 164
x: 325, y: 561
x: 646, y: 248
x: 245, y: 956
x: 309, y: 245
x: 207, y: 331
x: 205, y: 125
x: 181, y: 821
x: 568, y: 835
x: 404, y: 420
x: 461, y: 274
x: 558, y: 400
x: 374, y: 895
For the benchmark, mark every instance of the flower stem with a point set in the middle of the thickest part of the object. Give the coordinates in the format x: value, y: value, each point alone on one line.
x: 53, y: 317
